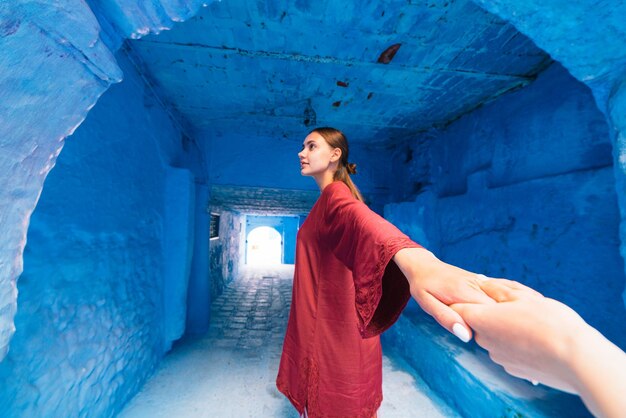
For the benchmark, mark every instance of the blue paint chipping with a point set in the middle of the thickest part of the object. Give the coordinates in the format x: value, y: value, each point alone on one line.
x: 492, y: 132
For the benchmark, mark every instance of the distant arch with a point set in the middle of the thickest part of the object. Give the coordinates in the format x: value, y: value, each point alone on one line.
x: 264, y: 245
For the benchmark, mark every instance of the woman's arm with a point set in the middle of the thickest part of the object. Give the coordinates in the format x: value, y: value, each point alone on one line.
x: 366, y: 244
x: 435, y: 285
x: 541, y: 339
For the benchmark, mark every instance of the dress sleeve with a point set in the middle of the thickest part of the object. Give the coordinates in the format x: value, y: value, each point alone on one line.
x: 365, y: 242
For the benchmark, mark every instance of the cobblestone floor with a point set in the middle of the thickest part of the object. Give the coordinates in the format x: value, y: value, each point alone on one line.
x: 230, y: 371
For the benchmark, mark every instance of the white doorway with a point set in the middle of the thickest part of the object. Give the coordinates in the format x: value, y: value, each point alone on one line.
x: 264, y: 246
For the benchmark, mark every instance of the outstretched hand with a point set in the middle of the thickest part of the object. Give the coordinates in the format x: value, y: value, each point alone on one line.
x: 435, y: 285
x: 529, y: 335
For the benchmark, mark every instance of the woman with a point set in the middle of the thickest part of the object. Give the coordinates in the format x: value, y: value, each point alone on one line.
x: 354, y: 273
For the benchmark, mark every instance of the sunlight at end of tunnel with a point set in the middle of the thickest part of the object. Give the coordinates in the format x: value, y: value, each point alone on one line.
x: 264, y: 246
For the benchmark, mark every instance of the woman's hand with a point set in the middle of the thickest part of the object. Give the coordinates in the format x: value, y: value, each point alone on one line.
x: 435, y: 285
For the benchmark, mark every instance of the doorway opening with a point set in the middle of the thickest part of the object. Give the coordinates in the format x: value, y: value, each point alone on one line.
x: 264, y: 246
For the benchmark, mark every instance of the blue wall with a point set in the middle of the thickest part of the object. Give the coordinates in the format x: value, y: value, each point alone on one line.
x: 226, y: 251
x: 199, y: 298
x: 523, y: 188
x: 273, y: 162
x: 89, y: 324
x: 531, y: 173
x: 57, y: 60
x: 594, y: 53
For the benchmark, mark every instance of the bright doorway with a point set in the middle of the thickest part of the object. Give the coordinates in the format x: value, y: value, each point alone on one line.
x: 264, y: 246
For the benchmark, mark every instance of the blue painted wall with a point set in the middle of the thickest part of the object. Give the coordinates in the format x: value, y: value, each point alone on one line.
x: 199, y: 298
x: 178, y: 240
x: 273, y: 162
x: 617, y: 112
x: 594, y: 53
x: 90, y: 326
x: 532, y: 171
x: 226, y: 251
x: 57, y: 61
x: 523, y: 188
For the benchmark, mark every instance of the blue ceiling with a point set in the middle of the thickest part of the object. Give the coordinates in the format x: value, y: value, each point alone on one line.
x: 268, y: 69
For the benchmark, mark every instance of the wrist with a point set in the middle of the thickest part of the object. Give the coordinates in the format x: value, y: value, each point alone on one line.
x: 416, y: 264
x: 576, y: 351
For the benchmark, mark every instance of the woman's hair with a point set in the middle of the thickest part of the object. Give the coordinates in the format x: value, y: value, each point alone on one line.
x: 336, y: 139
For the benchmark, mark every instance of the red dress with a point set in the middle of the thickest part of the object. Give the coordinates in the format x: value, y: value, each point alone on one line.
x: 345, y: 293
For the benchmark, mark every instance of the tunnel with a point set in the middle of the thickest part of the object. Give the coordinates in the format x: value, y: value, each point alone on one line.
x: 144, y: 143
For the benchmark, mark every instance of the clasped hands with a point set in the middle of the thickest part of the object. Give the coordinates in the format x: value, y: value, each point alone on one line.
x: 531, y: 336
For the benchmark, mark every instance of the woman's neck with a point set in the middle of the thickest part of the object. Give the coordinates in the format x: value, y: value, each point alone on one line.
x: 324, y: 179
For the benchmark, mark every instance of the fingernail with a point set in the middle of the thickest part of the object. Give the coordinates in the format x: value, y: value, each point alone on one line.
x: 482, y: 277
x: 461, y: 332
x: 534, y: 382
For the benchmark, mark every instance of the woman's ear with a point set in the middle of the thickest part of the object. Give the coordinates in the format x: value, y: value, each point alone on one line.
x: 335, y: 155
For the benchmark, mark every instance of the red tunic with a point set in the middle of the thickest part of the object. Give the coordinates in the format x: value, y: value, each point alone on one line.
x: 346, y: 291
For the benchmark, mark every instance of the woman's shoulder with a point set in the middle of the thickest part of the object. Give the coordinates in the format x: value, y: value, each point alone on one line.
x: 336, y: 193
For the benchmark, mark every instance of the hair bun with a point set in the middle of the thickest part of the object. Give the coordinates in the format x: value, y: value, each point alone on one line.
x: 351, y: 168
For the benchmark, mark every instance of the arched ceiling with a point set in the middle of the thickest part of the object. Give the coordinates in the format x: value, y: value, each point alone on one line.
x: 273, y: 69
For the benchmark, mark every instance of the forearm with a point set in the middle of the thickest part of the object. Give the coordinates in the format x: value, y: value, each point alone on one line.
x: 419, y: 264
x: 599, y: 369
x: 436, y: 285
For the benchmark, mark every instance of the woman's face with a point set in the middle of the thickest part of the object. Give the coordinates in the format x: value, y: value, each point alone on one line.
x: 317, y: 156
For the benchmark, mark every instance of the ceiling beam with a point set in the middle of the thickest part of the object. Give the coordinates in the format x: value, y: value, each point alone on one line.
x: 317, y: 59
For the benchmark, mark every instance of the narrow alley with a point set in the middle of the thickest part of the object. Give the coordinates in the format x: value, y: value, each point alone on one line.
x: 149, y: 147
x: 230, y: 371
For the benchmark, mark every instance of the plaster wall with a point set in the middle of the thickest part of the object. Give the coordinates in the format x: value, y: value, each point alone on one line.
x: 226, y: 251
x: 617, y: 112
x: 90, y: 326
x: 178, y: 240
x: 57, y: 60
x: 589, y: 39
x: 199, y: 288
x: 273, y: 162
x: 524, y: 188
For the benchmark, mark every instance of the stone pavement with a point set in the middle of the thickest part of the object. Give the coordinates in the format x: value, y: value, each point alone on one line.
x: 230, y: 371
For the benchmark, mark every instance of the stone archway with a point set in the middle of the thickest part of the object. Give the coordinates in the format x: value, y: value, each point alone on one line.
x: 58, y: 59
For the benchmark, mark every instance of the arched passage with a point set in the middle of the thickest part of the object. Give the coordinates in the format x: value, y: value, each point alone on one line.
x: 107, y: 235
x: 32, y: 137
x: 48, y: 47
x: 264, y: 245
